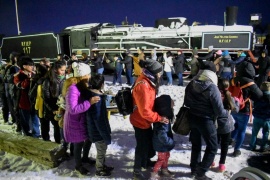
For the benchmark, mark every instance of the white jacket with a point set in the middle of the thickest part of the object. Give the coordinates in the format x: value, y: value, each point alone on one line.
x: 168, y: 63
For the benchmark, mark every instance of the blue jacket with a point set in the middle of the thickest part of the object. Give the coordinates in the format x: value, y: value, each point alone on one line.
x: 204, y: 99
x: 162, y: 137
x: 98, y: 125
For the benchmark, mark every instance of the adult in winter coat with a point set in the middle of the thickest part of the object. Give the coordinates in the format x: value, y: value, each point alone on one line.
x: 179, y: 66
x: 75, y: 129
x: 51, y: 89
x: 203, y: 97
x: 245, y: 74
x: 168, y: 63
x: 194, y: 64
x: 144, y: 95
x: 128, y: 67
x: 98, y: 63
x: 261, y: 115
x: 22, y: 80
x: 227, y: 72
x: 37, y: 82
x: 118, y: 68
x: 136, y: 60
x: 263, y: 64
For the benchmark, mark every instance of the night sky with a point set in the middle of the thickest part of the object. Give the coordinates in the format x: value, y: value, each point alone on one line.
x: 36, y: 16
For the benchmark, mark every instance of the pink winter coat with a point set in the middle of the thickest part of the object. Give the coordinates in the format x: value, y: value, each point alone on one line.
x: 75, y: 129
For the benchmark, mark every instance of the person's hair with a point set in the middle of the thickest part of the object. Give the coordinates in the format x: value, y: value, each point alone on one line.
x: 169, y: 53
x: 53, y: 76
x: 68, y: 83
x: 41, y: 70
x: 26, y: 60
x: 157, y: 83
x: 81, y: 83
x: 73, y: 54
x: 223, y: 85
x: 97, y: 81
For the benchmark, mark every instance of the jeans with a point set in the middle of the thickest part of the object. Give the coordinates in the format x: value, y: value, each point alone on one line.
x: 202, y: 128
x: 144, y: 150
x: 259, y: 123
x: 100, y: 71
x: 29, y: 123
x: 169, y: 76
x: 238, y: 134
x: 180, y: 78
x: 129, y: 76
x: 101, y: 147
x: 117, y: 76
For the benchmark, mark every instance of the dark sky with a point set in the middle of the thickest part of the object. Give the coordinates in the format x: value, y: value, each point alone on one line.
x: 37, y: 16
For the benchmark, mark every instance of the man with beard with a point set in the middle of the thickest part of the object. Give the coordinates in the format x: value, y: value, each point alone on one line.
x: 144, y: 94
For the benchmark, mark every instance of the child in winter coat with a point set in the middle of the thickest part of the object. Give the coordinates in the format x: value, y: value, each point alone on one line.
x: 261, y: 115
x: 99, y: 130
x: 225, y: 125
x: 163, y: 141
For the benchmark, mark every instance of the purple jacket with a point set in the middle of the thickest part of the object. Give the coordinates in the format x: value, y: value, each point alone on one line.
x: 75, y: 129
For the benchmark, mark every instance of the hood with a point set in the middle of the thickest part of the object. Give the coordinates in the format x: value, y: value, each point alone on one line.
x: 207, y: 75
x: 199, y: 86
x: 163, y: 106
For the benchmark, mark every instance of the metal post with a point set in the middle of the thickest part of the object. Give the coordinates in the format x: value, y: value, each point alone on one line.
x: 17, y: 18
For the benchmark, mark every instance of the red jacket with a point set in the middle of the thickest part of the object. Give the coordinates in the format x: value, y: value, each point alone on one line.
x: 144, y: 96
x: 22, y: 82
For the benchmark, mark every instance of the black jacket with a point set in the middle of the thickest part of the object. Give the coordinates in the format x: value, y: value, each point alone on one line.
x: 49, y: 99
x: 179, y: 64
x: 97, y: 61
x: 245, y: 74
x: 128, y: 62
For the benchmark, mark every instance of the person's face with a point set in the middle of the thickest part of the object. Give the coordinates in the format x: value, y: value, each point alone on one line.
x: 74, y: 57
x: 48, y: 63
x: 115, y: 58
x: 159, y: 75
x: 263, y: 54
x: 61, y: 71
x: 28, y: 68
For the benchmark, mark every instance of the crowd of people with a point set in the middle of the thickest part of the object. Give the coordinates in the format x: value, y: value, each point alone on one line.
x: 70, y: 97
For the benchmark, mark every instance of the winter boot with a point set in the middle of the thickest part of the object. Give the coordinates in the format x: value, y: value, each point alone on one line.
x: 154, y: 176
x: 166, y: 173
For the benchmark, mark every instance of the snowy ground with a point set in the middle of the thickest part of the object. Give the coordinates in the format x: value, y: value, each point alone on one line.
x: 120, y: 153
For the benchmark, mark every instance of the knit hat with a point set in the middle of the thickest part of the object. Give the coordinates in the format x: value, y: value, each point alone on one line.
x: 151, y: 65
x: 210, y: 48
x: 265, y: 86
x: 219, y: 52
x: 243, y: 54
x: 208, y: 65
x: 225, y: 53
x: 80, y: 69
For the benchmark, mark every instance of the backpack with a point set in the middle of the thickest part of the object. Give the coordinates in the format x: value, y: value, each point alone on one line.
x: 124, y: 101
x: 236, y: 91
